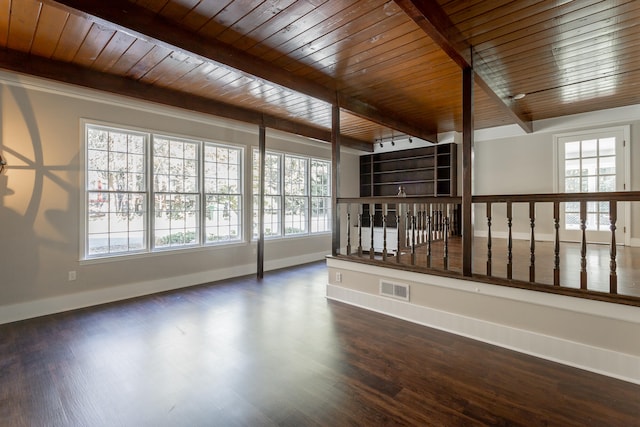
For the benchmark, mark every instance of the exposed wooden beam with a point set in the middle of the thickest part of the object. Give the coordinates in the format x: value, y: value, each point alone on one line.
x: 140, y: 22
x: 76, y: 75
x: 434, y: 21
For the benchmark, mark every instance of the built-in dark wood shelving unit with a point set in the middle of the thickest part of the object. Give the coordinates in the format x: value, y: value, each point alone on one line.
x: 424, y: 171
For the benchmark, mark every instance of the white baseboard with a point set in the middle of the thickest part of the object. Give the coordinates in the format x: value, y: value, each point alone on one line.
x: 46, y: 306
x: 602, y: 361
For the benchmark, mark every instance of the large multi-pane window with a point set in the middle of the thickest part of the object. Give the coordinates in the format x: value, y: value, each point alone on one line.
x: 151, y: 192
x: 176, y: 189
x: 272, y: 194
x: 297, y: 195
x: 320, y: 196
x: 116, y: 196
x: 223, y: 192
x: 592, y: 161
x: 589, y: 166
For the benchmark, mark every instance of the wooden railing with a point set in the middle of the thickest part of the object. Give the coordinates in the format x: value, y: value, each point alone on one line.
x: 386, y: 228
x: 415, y: 233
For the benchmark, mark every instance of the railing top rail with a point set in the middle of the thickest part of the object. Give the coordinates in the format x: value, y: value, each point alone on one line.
x: 620, y: 196
x: 395, y: 199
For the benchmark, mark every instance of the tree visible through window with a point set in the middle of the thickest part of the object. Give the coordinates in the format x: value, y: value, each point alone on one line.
x: 116, y: 191
x: 320, y: 196
x: 223, y: 190
x: 272, y: 194
x: 176, y: 192
x: 192, y: 194
x: 297, y: 195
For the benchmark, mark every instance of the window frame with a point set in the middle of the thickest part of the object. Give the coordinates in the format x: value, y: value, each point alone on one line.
x: 170, y: 194
x: 283, y: 194
x: 150, y: 192
x: 87, y: 190
x: 624, y: 212
x: 326, y: 198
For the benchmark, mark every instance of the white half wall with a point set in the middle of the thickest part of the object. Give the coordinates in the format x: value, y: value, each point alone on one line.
x: 592, y: 335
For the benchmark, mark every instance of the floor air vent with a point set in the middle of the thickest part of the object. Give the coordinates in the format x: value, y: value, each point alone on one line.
x: 394, y: 290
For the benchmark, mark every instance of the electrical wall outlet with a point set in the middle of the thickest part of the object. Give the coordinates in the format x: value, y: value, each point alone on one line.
x: 338, y: 277
x: 73, y: 275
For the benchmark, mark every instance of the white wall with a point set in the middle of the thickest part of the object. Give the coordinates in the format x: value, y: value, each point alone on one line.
x: 40, y: 194
x: 507, y: 161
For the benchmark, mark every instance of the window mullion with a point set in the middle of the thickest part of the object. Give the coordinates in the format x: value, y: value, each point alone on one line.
x: 203, y: 196
x: 151, y: 196
x: 309, y: 201
x: 282, y: 193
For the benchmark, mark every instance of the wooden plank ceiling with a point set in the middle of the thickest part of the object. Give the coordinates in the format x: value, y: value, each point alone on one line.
x: 392, y: 67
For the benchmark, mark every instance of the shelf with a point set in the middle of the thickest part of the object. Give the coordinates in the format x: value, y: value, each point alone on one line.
x: 425, y: 171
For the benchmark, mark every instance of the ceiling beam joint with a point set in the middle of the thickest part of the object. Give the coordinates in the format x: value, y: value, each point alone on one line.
x: 430, y: 16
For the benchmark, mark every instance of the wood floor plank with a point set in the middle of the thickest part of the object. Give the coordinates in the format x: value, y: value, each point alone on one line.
x: 277, y: 353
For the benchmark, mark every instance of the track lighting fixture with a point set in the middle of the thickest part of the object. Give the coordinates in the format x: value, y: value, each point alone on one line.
x: 402, y: 138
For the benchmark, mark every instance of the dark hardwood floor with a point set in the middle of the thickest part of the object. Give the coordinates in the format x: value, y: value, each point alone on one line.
x: 277, y: 353
x: 598, y: 262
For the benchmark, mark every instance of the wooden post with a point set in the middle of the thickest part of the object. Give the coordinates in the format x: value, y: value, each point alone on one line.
x: 532, y: 263
x: 413, y: 240
x: 335, y: 179
x: 360, y: 230
x: 488, y: 238
x: 262, y: 149
x: 583, y: 246
x: 556, y: 249
x: 407, y: 235
x: 509, y: 241
x: 467, y: 172
x: 384, y: 231
x: 613, y: 276
x: 445, y: 258
x: 399, y: 228
x: 429, y: 238
x: 372, y: 209
x: 349, y: 229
